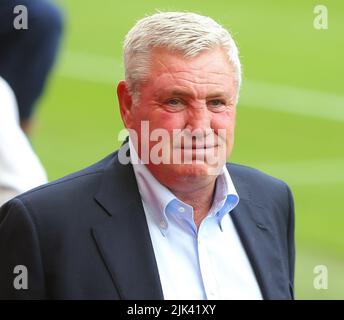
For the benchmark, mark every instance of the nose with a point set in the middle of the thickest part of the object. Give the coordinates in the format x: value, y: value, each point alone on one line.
x: 198, y: 119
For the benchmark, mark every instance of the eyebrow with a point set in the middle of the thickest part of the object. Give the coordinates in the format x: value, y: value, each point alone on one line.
x: 187, y: 93
x: 218, y: 94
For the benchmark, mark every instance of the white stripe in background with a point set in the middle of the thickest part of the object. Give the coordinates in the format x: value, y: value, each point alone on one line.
x: 307, y: 172
x: 276, y: 97
x: 90, y: 67
x: 270, y: 96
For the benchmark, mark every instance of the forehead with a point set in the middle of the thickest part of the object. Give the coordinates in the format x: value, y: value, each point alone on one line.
x: 207, y: 70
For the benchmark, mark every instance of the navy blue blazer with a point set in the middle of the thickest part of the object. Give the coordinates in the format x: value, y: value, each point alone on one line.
x: 85, y: 236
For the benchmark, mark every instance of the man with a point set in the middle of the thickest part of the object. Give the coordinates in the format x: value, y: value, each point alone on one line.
x: 174, y: 222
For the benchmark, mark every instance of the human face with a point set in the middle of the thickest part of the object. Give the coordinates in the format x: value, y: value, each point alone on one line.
x: 196, y: 94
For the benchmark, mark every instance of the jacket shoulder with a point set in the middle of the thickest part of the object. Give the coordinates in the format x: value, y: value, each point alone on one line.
x: 73, y: 181
x: 258, y: 186
x: 252, y: 175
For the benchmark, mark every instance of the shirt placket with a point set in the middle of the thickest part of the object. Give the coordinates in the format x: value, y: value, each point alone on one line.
x: 207, y: 272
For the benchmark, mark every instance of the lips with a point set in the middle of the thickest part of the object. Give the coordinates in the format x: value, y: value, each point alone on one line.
x: 197, y: 147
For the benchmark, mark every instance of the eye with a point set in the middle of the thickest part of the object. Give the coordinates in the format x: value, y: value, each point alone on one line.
x: 216, y: 102
x: 217, y: 105
x: 174, y: 102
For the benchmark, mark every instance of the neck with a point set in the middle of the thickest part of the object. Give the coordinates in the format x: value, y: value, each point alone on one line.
x: 200, y: 199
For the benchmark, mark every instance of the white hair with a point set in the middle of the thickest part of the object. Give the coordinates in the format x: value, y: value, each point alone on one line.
x: 182, y: 32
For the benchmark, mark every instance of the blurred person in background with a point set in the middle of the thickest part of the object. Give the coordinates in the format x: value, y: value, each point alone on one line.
x: 20, y: 169
x: 27, y: 55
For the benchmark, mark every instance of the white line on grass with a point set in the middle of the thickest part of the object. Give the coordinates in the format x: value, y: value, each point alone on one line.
x: 306, y: 102
x: 306, y: 172
x: 90, y: 67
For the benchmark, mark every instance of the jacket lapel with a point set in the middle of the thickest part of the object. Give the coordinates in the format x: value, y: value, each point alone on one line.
x: 257, y: 235
x: 124, y: 241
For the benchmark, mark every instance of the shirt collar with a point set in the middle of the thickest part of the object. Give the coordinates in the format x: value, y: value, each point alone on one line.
x: 157, y: 198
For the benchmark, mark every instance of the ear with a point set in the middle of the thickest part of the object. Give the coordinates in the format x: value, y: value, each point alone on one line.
x: 125, y: 103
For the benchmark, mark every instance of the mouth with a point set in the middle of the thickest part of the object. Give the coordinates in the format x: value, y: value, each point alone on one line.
x: 193, y: 146
x: 197, y: 152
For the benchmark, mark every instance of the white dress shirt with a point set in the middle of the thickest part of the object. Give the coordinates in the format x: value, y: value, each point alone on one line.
x: 208, y: 263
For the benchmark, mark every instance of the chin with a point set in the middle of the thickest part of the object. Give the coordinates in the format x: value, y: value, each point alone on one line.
x: 192, y: 170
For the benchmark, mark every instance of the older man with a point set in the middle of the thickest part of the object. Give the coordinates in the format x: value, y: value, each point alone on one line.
x: 175, y: 221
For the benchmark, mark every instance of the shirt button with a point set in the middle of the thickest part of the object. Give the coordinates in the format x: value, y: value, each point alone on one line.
x: 181, y: 209
x: 163, y: 225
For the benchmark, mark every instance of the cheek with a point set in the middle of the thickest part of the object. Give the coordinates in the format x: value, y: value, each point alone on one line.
x: 225, y: 120
x: 167, y: 120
